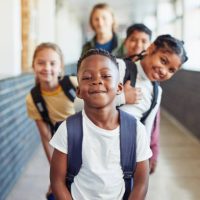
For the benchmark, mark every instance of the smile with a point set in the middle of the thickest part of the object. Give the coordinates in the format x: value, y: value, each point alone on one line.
x: 97, y: 92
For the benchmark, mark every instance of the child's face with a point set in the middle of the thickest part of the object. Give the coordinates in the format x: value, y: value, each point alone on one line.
x: 47, y: 65
x: 98, y: 79
x: 136, y: 43
x: 160, y: 65
x: 102, y: 21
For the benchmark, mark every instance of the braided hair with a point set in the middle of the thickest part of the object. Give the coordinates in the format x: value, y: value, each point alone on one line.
x: 97, y: 52
x: 167, y: 43
x: 171, y: 44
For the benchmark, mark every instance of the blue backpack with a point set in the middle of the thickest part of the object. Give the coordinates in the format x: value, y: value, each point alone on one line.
x: 127, y: 148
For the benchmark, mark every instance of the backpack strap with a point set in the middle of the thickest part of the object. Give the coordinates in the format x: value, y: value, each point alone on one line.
x: 68, y: 88
x: 153, y: 102
x: 131, y: 72
x: 41, y: 106
x: 75, y: 138
x: 136, y: 57
x: 128, y: 132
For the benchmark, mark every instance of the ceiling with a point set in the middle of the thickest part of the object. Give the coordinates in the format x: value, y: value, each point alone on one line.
x: 126, y: 11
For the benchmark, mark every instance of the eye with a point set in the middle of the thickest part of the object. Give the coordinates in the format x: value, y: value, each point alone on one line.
x: 106, y: 76
x: 133, y: 39
x: 163, y: 60
x: 53, y: 63
x: 86, y: 77
x: 172, y: 70
x: 144, y: 41
x: 96, y: 19
x: 40, y: 62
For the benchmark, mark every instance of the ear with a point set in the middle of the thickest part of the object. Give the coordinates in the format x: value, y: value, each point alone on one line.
x: 119, y: 88
x: 151, y: 49
x: 78, y: 93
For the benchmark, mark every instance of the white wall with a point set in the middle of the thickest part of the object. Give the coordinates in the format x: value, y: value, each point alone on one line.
x: 10, y: 38
x: 68, y: 34
x: 46, y: 21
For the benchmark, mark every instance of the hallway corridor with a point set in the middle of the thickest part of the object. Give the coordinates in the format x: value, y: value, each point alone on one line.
x: 177, y: 176
x: 178, y: 173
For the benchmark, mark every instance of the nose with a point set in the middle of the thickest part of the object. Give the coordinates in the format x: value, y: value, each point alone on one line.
x: 162, y: 72
x: 97, y: 80
x: 100, y: 22
x: 139, y: 44
x: 47, y: 66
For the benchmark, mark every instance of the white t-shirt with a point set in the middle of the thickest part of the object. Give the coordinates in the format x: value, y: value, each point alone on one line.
x: 100, y: 176
x: 144, y: 104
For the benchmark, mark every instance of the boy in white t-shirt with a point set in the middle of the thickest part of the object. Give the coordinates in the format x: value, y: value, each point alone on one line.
x: 100, y: 176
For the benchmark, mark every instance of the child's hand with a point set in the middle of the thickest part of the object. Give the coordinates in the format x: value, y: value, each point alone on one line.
x: 132, y: 95
x: 152, y: 165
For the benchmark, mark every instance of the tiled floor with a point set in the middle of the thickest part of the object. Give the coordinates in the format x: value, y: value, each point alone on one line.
x: 177, y: 176
x: 178, y: 173
x: 34, y: 182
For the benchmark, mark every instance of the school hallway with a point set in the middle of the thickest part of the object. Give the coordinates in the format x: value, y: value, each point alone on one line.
x: 177, y: 175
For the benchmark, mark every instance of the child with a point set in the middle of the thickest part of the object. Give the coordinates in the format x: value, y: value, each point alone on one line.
x: 103, y: 24
x: 48, y: 66
x: 162, y: 59
x: 100, y: 175
x: 138, y: 38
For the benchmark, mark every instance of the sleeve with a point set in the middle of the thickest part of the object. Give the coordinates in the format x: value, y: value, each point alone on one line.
x: 143, y: 151
x: 78, y: 104
x: 59, y: 140
x: 31, y: 108
x: 120, y: 99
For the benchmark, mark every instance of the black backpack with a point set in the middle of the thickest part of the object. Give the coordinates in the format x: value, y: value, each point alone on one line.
x: 69, y: 90
x: 128, y: 133
x: 131, y: 74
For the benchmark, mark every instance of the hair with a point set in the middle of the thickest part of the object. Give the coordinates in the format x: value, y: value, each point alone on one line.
x: 140, y: 28
x: 171, y: 44
x: 47, y: 45
x: 97, y: 52
x: 102, y: 6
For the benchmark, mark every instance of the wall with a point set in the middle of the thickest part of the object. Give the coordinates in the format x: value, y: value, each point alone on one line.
x: 68, y: 33
x: 10, y: 40
x: 18, y: 134
x: 181, y: 98
x: 46, y: 21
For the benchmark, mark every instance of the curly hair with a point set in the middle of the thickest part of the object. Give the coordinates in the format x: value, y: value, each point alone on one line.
x: 97, y: 52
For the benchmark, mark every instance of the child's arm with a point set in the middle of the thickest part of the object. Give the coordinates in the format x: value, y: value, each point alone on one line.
x: 141, y: 175
x: 141, y: 178
x: 43, y: 129
x: 154, y: 144
x: 58, y: 172
x: 45, y: 136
